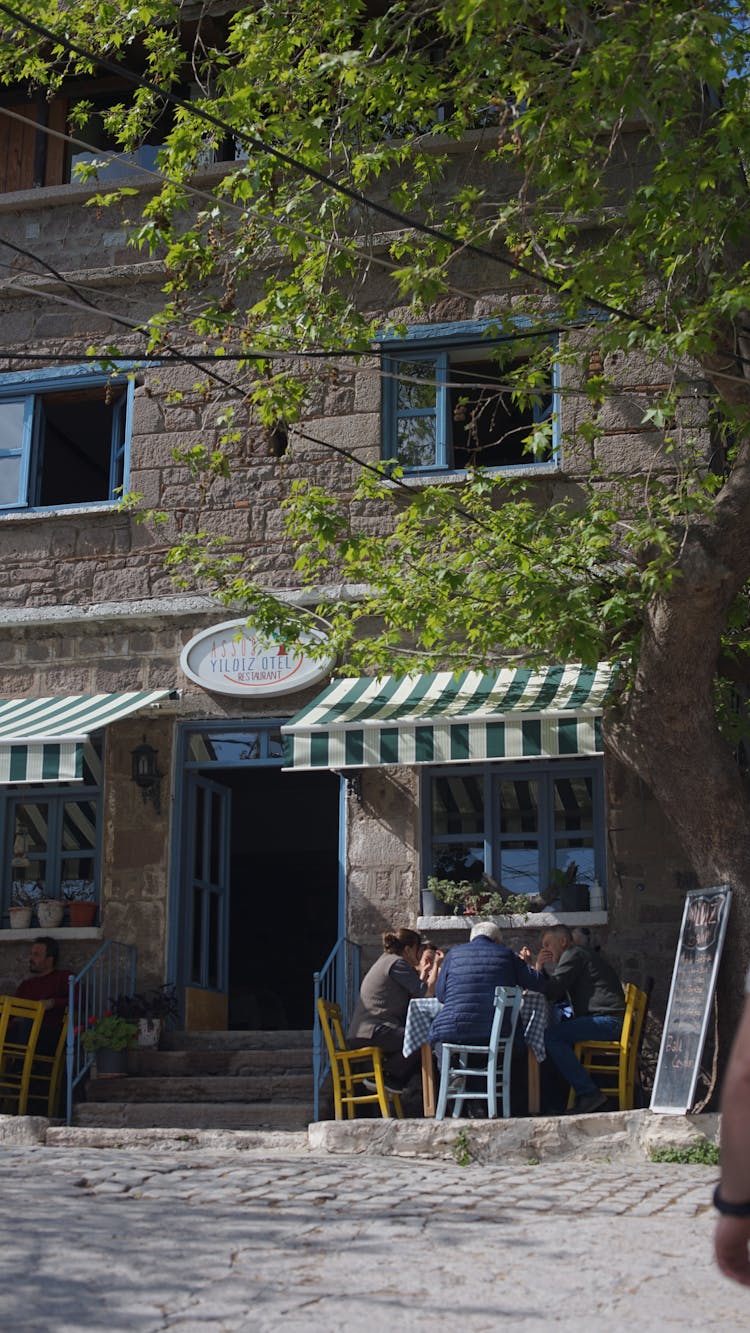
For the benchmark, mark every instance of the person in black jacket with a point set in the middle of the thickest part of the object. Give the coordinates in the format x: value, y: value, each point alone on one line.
x: 594, y: 990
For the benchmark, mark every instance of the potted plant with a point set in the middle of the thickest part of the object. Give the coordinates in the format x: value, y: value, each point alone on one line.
x: 49, y: 912
x: 22, y: 905
x: 478, y: 897
x: 573, y: 895
x: 149, y: 1010
x: 108, y: 1039
x: 81, y: 906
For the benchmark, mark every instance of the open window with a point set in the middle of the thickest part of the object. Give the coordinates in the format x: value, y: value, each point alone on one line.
x: 452, y: 403
x: 63, y: 441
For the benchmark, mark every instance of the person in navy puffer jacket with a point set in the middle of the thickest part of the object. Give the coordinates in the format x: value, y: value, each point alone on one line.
x: 467, y: 981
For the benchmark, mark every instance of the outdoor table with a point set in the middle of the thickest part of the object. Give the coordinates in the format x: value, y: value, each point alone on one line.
x: 419, y: 1018
x: 534, y: 1019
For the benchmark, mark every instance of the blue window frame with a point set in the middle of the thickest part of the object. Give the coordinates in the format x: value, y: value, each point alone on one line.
x: 52, y: 836
x: 64, y: 437
x: 520, y: 823
x: 447, y: 401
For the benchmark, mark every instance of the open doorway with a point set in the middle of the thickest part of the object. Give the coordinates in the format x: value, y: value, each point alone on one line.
x: 283, y: 892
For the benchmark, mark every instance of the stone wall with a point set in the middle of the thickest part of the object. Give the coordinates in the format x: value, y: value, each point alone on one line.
x: 383, y: 856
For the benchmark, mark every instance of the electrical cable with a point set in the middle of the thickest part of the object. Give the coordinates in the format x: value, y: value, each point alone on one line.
x: 162, y: 178
x: 348, y: 191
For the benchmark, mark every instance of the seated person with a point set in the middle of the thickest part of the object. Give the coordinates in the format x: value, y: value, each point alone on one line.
x: 48, y: 983
x: 380, y: 1016
x: 598, y: 1003
x: 467, y: 981
x: 426, y: 959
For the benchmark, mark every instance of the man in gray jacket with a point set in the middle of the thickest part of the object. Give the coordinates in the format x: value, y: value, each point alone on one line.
x: 594, y: 990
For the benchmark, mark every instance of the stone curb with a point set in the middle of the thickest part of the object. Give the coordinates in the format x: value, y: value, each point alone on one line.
x: 613, y: 1136
x: 609, y: 1136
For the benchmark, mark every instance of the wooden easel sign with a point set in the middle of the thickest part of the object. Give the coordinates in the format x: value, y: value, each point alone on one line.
x: 704, y: 924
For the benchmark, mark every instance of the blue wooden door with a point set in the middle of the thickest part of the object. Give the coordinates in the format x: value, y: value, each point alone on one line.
x: 206, y: 885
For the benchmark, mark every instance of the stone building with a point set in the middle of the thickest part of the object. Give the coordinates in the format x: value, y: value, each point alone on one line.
x: 232, y: 873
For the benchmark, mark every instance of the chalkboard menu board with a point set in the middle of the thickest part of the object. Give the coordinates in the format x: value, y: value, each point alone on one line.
x: 704, y: 923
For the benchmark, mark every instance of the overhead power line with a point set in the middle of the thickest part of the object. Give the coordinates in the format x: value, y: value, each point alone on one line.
x: 347, y: 191
x: 161, y: 178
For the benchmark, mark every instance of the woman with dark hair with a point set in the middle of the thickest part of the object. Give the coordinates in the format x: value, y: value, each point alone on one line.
x: 380, y: 1016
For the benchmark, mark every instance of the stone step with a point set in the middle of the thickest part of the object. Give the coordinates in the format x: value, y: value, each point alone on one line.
x: 252, y: 1040
x: 196, y: 1063
x: 252, y: 1088
x: 194, y: 1115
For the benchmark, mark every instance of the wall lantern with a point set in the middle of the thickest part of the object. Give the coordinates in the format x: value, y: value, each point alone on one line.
x: 146, y: 774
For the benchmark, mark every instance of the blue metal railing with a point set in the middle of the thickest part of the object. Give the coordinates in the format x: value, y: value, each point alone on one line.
x: 338, y: 981
x: 109, y: 974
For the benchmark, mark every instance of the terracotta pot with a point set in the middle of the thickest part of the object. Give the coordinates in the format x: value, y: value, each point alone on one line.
x: 82, y: 914
x: 49, y: 912
x: 20, y: 917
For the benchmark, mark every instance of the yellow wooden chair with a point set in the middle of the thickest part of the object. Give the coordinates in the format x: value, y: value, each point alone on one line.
x: 613, y: 1063
x: 17, y: 1052
x: 45, y: 1085
x: 348, y: 1080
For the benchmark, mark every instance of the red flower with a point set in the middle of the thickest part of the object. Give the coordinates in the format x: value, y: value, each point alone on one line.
x: 93, y: 1020
x: 108, y: 1013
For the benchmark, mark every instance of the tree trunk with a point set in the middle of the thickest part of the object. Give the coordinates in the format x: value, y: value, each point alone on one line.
x: 666, y: 729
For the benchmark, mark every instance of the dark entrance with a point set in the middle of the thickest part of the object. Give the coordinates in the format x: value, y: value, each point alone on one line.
x: 256, y: 883
x: 283, y: 901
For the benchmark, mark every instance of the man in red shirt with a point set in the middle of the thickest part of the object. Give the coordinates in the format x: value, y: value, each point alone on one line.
x: 48, y: 983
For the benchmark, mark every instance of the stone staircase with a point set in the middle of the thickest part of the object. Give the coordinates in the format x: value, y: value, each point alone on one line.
x: 208, y: 1080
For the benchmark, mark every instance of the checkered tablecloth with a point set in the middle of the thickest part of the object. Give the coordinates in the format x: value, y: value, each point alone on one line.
x: 534, y: 1019
x: 419, y: 1018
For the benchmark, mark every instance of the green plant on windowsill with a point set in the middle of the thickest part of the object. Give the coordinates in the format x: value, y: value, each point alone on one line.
x: 110, y: 1032
x: 477, y: 898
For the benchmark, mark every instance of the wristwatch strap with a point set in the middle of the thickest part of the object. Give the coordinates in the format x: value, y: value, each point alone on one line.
x: 730, y: 1209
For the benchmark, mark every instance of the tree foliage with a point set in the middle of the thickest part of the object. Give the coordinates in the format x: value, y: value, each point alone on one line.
x: 606, y: 192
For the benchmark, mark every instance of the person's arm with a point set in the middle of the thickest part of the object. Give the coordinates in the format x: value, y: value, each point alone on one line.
x: 565, y: 975
x: 732, y: 1237
x: 430, y: 980
x: 530, y: 978
x: 442, y: 979
x: 407, y: 976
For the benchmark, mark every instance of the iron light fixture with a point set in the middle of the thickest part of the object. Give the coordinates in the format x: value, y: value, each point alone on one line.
x: 146, y: 774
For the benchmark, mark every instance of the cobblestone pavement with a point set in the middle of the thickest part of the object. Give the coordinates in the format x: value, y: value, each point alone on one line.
x: 143, y: 1240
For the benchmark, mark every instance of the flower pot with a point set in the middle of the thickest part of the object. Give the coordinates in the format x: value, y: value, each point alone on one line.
x: 111, y: 1064
x: 49, y: 912
x: 574, y: 898
x: 82, y: 914
x: 149, y: 1032
x: 434, y: 906
x: 20, y: 917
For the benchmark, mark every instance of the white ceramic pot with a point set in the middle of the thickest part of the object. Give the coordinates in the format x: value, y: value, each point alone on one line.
x: 149, y: 1032
x: 20, y: 917
x: 49, y: 912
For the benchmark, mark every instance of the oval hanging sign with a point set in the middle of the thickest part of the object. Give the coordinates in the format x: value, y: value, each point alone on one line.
x: 235, y: 659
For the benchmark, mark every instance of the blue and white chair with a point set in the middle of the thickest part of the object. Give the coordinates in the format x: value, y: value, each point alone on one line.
x: 493, y: 1076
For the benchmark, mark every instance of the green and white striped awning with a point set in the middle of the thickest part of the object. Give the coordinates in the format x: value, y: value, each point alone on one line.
x: 514, y: 713
x: 41, y: 740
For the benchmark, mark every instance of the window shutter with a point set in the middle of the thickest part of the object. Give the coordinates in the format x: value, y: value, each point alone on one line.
x: 17, y: 145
